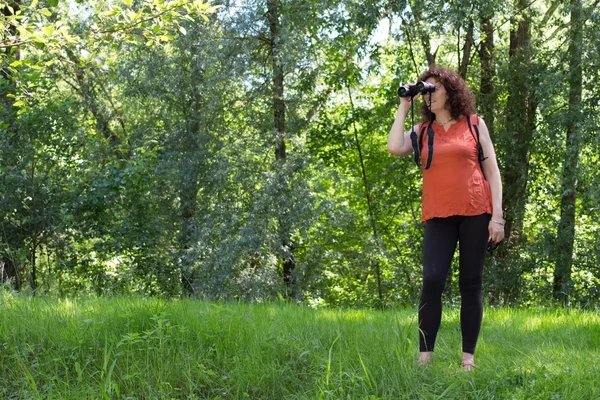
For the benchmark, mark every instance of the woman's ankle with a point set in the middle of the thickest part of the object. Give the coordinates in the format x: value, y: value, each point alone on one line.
x: 425, y: 356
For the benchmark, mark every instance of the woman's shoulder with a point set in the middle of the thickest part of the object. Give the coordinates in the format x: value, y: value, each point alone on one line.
x: 473, y: 118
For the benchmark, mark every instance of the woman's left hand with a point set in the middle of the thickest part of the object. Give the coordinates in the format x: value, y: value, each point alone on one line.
x: 496, y: 230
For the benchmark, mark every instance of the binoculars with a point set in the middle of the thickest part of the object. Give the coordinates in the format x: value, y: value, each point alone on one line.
x: 412, y: 90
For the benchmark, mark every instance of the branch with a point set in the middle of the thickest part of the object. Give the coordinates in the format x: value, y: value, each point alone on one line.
x: 119, y: 117
x: 129, y: 27
x: 551, y: 11
x: 593, y: 7
x: 412, y: 54
x: 15, y: 44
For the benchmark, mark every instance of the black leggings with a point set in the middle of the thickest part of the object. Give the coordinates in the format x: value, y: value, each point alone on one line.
x: 441, y: 235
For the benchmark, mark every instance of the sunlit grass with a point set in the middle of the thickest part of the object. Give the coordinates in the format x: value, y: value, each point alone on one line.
x: 137, y: 348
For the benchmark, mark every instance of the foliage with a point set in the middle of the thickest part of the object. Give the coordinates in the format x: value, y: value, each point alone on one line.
x: 137, y: 147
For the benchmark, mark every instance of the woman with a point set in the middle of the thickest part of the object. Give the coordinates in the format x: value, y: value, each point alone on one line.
x: 461, y: 201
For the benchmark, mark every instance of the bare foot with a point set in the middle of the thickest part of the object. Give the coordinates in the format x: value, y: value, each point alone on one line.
x: 468, y: 363
x: 425, y: 358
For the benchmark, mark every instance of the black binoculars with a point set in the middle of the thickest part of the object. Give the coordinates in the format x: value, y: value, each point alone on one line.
x: 412, y: 90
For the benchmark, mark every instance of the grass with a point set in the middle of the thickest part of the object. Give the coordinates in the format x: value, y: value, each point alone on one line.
x: 139, y: 348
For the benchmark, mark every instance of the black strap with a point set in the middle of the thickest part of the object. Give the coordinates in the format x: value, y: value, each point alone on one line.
x: 416, y: 148
x: 430, y: 136
x: 479, y: 147
x: 417, y: 144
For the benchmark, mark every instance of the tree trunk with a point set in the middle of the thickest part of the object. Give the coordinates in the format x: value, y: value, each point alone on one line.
x: 520, y: 125
x: 566, y: 227
x: 189, y: 170
x: 10, y: 269
x: 423, y: 33
x: 288, y: 261
x: 486, y: 58
x: 34, y: 231
x: 466, y: 56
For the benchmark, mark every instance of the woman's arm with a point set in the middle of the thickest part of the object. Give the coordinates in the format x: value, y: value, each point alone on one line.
x: 399, y: 143
x: 492, y: 174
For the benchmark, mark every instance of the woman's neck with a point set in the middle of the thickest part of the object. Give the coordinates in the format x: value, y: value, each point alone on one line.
x: 443, y: 116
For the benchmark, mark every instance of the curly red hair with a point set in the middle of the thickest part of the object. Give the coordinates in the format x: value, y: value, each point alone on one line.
x: 460, y: 99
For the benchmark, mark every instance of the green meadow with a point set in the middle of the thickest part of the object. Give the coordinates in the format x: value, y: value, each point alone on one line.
x: 150, y: 348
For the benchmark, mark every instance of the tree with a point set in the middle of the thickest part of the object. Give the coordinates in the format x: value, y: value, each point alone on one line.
x: 9, y: 54
x: 566, y: 228
x: 486, y: 60
x: 81, y: 46
x: 520, y: 125
x: 279, y: 128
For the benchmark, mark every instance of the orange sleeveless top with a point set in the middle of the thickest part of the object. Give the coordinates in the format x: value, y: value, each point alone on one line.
x: 454, y: 184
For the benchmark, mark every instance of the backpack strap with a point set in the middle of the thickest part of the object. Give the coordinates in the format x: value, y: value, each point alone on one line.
x: 430, y: 136
x: 416, y: 148
x: 417, y: 141
x: 417, y: 144
x: 480, y: 154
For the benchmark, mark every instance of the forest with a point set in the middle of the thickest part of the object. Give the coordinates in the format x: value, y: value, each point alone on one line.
x: 236, y: 150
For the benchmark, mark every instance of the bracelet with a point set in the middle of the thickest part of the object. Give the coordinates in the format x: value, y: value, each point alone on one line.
x: 498, y: 222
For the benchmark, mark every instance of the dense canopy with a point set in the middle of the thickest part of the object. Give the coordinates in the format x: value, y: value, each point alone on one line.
x: 237, y: 150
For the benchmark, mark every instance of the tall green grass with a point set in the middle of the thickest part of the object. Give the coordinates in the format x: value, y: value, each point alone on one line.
x: 137, y: 348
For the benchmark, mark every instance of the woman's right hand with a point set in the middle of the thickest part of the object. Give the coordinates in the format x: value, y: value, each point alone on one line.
x: 399, y: 142
x: 406, y: 102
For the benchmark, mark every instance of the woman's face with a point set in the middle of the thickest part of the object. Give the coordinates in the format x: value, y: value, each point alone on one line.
x: 438, y: 98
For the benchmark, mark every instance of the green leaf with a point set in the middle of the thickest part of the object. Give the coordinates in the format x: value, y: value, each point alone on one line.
x: 53, y: 3
x: 48, y: 30
x: 19, y: 103
x: 182, y: 30
x: 201, y: 4
x: 38, y: 38
x: 46, y: 12
x: 128, y: 2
